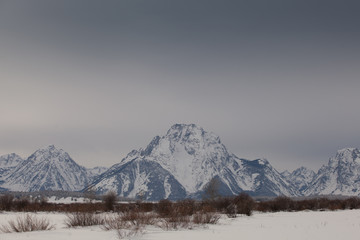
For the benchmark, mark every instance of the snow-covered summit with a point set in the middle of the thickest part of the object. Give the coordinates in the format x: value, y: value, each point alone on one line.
x: 340, y: 176
x: 8, y: 163
x: 48, y: 168
x: 346, y: 155
x: 191, y: 133
x: 10, y: 160
x: 191, y: 154
x: 191, y: 157
x: 49, y: 153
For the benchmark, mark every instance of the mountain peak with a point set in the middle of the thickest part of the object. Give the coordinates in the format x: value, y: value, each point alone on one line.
x: 347, y: 155
x: 50, y: 147
x: 49, y: 153
x: 347, y: 150
x: 177, y: 129
x: 339, y: 176
x: 190, y: 132
x: 48, y: 168
x: 10, y: 160
x: 10, y: 155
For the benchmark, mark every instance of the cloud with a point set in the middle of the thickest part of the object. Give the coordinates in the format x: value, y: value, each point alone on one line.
x: 273, y: 79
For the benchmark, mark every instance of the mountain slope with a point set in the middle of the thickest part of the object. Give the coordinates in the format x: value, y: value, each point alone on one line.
x: 93, y: 173
x: 8, y: 163
x: 340, y: 176
x: 300, y: 178
x: 48, y: 168
x: 264, y: 180
x: 191, y: 157
x: 141, y: 179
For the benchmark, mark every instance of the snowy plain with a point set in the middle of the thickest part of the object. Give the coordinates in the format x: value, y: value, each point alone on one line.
x: 326, y: 225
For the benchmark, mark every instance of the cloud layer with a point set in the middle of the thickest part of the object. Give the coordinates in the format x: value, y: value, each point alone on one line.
x: 274, y: 79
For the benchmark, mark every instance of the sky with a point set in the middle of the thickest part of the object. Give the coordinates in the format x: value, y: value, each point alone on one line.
x: 274, y: 79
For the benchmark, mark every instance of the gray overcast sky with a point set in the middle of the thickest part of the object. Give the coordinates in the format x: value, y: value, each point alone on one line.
x: 274, y: 79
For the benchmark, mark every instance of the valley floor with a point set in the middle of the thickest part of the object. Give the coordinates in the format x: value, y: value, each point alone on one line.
x: 280, y: 226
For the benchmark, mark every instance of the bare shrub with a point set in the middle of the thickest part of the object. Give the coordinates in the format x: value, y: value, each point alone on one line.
x: 175, y: 215
x: 27, y: 223
x: 336, y: 205
x: 231, y: 211
x: 139, y: 218
x: 129, y: 224
x: 22, y: 203
x: 212, y: 190
x: 282, y: 203
x: 222, y: 203
x: 206, y: 217
x: 185, y: 207
x: 175, y: 222
x: 164, y: 208
x: 145, y: 206
x: 206, y: 207
x: 83, y: 219
x: 114, y: 222
x: 244, y: 204
x: 308, y: 204
x: 353, y: 203
x: 6, y: 202
x: 109, y: 200
x: 124, y: 229
x: 130, y: 220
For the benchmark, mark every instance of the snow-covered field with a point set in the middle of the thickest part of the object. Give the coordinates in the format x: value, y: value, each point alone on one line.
x: 283, y: 225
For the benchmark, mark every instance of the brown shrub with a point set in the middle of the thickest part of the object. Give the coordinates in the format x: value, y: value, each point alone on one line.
x: 6, y: 202
x: 109, y: 201
x: 244, y: 204
x: 164, y: 208
x: 282, y: 203
x: 231, y: 211
x: 353, y: 203
x: 145, y: 206
x: 206, y: 217
x: 221, y: 204
x: 21, y: 204
x: 83, y: 219
x: 185, y: 207
x: 27, y: 223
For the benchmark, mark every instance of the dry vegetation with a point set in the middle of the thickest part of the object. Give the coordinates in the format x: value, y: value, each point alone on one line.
x: 83, y: 219
x: 129, y: 219
x: 27, y: 223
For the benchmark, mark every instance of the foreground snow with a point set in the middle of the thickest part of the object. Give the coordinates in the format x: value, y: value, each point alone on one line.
x: 283, y: 225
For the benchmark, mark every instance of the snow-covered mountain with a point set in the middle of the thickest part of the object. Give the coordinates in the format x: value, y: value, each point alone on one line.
x: 340, y: 176
x: 94, y: 172
x: 177, y: 165
x: 300, y: 178
x: 10, y: 160
x: 182, y: 162
x: 264, y: 180
x: 48, y: 168
x: 8, y: 163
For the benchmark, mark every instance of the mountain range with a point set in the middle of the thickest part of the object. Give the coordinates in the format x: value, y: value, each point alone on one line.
x: 178, y: 165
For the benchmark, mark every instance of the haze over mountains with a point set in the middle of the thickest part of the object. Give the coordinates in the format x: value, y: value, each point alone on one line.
x: 179, y: 165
